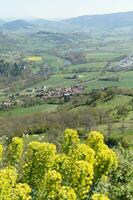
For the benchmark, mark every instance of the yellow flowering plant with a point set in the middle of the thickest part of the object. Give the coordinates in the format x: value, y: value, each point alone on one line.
x: 40, y: 157
x: 9, y: 189
x: 105, y: 158
x: 71, y: 140
x: 99, y: 197
x: 15, y: 151
x: 45, y: 174
x: 66, y: 193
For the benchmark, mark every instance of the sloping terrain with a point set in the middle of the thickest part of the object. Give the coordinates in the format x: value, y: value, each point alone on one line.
x: 82, y: 23
x: 17, y: 24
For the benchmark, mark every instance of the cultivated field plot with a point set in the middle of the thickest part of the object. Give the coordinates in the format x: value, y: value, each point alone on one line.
x: 29, y: 111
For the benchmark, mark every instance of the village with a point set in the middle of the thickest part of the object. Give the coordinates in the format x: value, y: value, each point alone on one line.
x: 43, y: 94
x: 59, y: 92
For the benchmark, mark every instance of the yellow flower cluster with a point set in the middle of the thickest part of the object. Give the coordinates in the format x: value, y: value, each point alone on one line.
x: 105, y: 161
x: 82, y: 177
x: 95, y: 140
x: 66, y: 193
x: 9, y: 190
x: 77, y: 174
x: 15, y: 150
x: 83, y: 152
x: 71, y: 140
x: 105, y: 158
x: 49, y: 186
x: 40, y: 157
x: 8, y: 178
x: 64, y: 164
x: 99, y: 197
x: 1, y: 152
x: 22, y: 191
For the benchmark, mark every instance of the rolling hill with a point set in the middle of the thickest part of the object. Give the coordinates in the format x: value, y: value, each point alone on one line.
x: 42, y: 22
x: 81, y: 23
x: 87, y: 22
x: 17, y: 24
x: 106, y: 20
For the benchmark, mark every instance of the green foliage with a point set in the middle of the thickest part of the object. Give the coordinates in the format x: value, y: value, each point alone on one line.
x: 122, y: 110
x: 120, y: 182
x: 1, y: 152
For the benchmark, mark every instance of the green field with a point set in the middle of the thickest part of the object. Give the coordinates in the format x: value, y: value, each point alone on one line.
x: 86, y: 66
x: 29, y: 111
x: 126, y: 81
x: 53, y: 61
x: 102, y: 57
x: 57, y: 81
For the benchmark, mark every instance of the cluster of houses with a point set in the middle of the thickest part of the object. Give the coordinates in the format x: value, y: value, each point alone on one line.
x: 57, y: 92
x: 43, y: 93
x: 64, y: 92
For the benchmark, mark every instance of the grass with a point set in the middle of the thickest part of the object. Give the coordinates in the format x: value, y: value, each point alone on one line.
x: 87, y: 66
x: 86, y: 76
x: 29, y: 111
x: 57, y: 81
x: 53, y: 61
x: 126, y: 81
x: 102, y: 57
x: 115, y: 102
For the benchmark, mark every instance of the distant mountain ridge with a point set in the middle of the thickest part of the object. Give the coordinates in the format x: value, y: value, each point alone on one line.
x: 42, y: 22
x: 75, y: 24
x: 87, y: 22
x: 17, y: 24
x: 114, y: 20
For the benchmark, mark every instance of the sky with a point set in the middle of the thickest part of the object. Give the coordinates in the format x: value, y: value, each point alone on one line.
x: 57, y: 9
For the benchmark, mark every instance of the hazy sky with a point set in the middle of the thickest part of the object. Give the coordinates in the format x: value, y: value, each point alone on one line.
x: 61, y: 8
